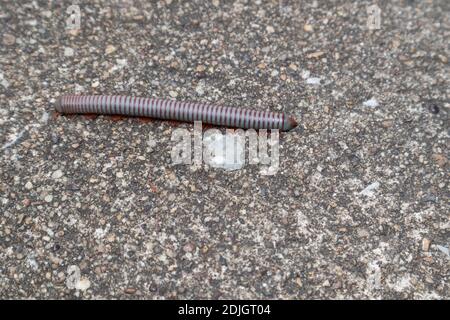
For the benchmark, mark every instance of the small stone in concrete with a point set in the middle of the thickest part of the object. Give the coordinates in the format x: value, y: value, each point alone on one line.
x: 68, y: 52
x: 57, y: 174
x: 426, y: 244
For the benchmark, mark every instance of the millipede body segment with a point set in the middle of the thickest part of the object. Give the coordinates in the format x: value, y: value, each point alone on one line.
x: 175, y: 110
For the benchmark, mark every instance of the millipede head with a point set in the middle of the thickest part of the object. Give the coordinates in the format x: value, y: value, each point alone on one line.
x: 290, y: 123
x: 58, y: 105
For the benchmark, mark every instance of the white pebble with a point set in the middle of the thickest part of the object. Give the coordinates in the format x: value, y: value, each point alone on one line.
x: 444, y: 250
x: 57, y: 174
x: 44, y: 118
x: 68, y: 52
x: 74, y: 280
x: 3, y: 81
x: 47, y: 13
x: 313, y: 81
x: 122, y: 62
x: 110, y: 49
x: 372, y: 103
x: 306, y: 74
x: 200, y: 89
x: 83, y: 284
x: 370, y: 189
x: 218, y: 156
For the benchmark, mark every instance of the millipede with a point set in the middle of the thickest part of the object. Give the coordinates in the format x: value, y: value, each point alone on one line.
x: 174, y: 110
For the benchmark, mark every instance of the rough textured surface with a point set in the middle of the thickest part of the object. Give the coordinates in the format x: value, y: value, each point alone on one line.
x: 93, y: 208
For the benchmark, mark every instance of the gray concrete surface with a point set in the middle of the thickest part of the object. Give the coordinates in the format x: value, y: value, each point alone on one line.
x: 358, y: 209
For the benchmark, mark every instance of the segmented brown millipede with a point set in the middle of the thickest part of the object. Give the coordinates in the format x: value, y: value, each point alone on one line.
x: 175, y: 110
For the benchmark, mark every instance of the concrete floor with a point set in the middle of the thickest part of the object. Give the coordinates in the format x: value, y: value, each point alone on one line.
x: 94, y: 207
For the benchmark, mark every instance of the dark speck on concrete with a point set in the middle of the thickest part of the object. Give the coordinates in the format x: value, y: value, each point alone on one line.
x: 434, y: 108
